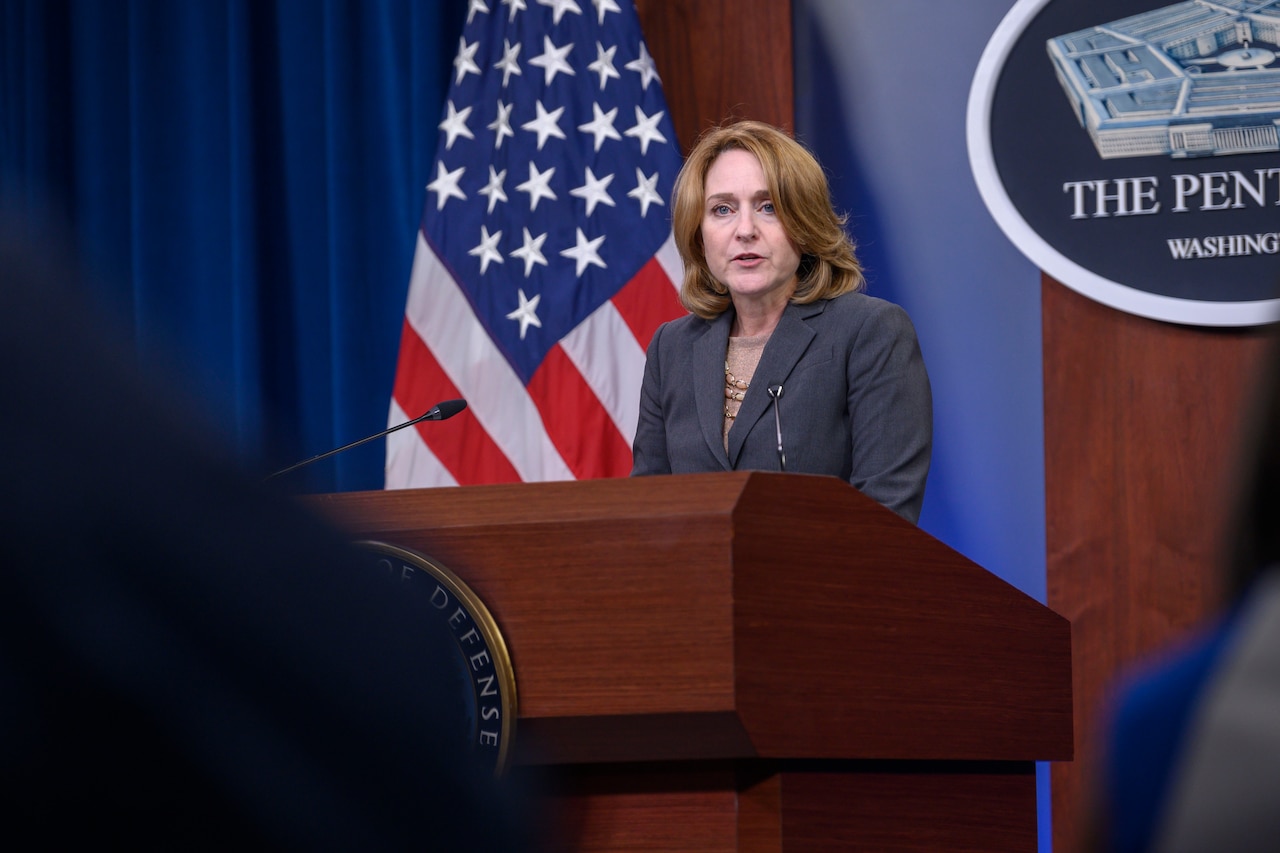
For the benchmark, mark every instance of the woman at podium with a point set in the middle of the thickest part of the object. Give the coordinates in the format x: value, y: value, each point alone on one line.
x: 783, y: 363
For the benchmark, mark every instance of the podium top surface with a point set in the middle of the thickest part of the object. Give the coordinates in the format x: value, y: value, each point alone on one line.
x: 740, y: 614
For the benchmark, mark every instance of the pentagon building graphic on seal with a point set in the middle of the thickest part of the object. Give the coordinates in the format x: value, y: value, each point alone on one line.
x: 1195, y: 79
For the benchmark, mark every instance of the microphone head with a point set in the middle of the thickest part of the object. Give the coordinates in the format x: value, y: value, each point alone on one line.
x: 446, y: 410
x: 775, y: 391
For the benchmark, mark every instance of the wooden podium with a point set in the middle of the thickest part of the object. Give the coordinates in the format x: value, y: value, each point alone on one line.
x: 752, y: 661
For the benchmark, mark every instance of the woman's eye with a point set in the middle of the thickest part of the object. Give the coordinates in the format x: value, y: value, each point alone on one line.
x: 720, y: 209
x: 767, y: 207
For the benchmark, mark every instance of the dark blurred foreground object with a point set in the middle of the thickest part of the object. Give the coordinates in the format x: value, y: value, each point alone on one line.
x: 187, y: 660
x: 1193, y: 761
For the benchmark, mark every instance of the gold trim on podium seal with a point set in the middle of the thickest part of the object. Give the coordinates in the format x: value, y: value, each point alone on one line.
x: 479, y: 642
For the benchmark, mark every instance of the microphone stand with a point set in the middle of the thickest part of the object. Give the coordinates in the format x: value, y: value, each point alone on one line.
x: 438, y: 413
x: 775, y: 391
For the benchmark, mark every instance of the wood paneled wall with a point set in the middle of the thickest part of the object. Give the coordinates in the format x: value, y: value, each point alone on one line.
x: 722, y: 59
x: 1143, y: 424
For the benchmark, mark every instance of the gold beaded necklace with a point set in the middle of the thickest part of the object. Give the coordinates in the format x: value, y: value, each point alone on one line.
x: 734, y: 389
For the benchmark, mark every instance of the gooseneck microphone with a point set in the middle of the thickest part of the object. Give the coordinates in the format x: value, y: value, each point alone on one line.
x: 441, y: 412
x: 775, y: 392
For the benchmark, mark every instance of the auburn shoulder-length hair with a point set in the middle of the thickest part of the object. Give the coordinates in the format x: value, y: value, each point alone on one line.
x: 800, y: 194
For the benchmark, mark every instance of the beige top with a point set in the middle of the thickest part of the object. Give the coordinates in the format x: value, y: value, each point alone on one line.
x: 739, y: 366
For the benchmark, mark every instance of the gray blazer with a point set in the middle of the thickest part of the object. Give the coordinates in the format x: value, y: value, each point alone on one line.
x: 855, y: 403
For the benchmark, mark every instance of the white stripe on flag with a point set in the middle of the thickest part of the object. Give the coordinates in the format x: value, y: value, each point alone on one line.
x: 440, y: 314
x: 611, y: 360
x: 410, y: 463
x: 669, y: 259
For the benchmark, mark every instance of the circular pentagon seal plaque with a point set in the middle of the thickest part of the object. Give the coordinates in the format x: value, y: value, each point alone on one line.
x: 484, y: 680
x: 1131, y: 150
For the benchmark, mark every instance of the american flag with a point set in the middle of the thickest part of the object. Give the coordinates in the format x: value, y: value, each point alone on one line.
x: 544, y: 260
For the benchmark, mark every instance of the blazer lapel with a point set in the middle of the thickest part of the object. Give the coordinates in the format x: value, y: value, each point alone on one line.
x: 786, y: 345
x: 708, y: 383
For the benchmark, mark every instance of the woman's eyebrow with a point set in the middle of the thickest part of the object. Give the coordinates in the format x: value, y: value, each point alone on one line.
x: 730, y: 195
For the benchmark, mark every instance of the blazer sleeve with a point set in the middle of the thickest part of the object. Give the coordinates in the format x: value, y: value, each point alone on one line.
x: 890, y: 412
x: 649, y: 450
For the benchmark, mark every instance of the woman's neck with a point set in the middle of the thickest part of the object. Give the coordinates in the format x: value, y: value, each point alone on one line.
x: 750, y: 321
x: 759, y: 314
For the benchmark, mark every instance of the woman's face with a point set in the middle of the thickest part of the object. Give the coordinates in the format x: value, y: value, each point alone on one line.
x: 746, y: 248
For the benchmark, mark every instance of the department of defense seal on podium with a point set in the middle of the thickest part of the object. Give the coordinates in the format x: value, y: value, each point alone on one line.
x: 484, y: 679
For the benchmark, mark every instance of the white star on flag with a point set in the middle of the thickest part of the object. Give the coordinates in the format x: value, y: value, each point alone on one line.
x: 508, y: 64
x: 601, y: 125
x: 487, y: 250
x: 644, y: 66
x: 531, y: 251
x: 547, y: 124
x: 594, y: 191
x: 455, y: 125
x: 559, y: 7
x: 603, y: 6
x: 552, y: 59
x: 515, y: 6
x: 501, y: 126
x: 646, y: 191
x: 604, y: 64
x: 585, y: 253
x: 446, y: 184
x: 538, y: 186
x: 465, y: 61
x: 527, y: 313
x: 646, y: 129
x: 493, y: 190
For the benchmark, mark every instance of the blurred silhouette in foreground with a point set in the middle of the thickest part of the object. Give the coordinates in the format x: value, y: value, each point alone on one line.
x: 1193, y: 761
x: 186, y: 660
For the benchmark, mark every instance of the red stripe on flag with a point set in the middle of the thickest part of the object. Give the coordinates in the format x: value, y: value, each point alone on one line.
x: 578, y: 425
x: 460, y: 443
x: 648, y: 301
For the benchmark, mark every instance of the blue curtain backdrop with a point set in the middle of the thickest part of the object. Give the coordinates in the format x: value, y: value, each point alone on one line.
x: 246, y: 178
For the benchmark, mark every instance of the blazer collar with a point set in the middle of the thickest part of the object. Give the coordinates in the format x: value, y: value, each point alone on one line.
x: 786, y: 345
x: 708, y: 382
